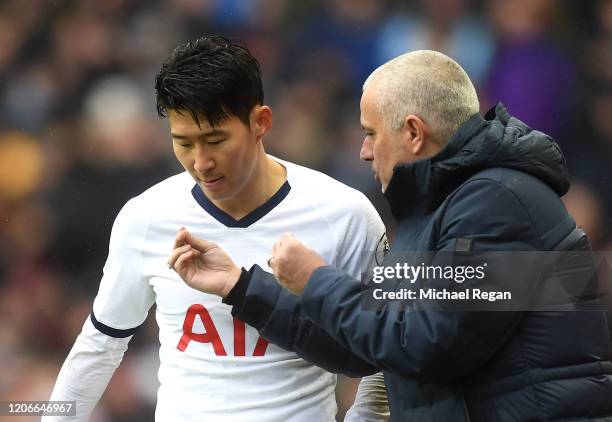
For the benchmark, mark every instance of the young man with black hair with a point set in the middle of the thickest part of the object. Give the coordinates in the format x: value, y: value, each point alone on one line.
x: 214, y: 367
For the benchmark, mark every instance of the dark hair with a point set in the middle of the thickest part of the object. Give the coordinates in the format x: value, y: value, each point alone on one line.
x: 213, y: 75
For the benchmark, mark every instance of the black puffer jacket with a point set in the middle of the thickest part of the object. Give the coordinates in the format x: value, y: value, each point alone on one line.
x: 497, y: 184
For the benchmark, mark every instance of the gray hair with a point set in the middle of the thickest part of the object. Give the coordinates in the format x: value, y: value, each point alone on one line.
x: 428, y: 84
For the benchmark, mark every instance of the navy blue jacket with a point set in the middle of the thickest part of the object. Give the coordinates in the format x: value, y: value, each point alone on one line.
x: 497, y: 184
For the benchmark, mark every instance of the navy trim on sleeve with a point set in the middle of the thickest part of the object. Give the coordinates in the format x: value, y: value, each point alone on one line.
x: 109, y: 331
x: 229, y: 221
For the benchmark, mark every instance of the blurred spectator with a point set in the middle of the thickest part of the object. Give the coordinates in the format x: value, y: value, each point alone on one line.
x: 122, y: 152
x: 448, y: 26
x: 583, y: 204
x: 300, y: 135
x: 21, y: 166
x: 336, y: 45
x: 531, y: 73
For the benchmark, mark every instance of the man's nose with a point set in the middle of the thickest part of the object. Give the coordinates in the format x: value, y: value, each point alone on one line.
x: 366, y: 150
x: 204, y: 161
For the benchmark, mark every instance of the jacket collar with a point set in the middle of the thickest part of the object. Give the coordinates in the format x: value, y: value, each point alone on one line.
x: 410, y: 189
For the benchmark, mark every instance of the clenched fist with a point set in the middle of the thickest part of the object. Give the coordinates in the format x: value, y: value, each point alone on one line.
x: 293, y: 263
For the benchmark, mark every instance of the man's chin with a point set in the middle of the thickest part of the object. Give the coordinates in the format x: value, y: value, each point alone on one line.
x: 213, y: 194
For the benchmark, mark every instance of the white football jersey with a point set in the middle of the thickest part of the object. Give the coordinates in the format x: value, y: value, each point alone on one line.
x: 214, y: 367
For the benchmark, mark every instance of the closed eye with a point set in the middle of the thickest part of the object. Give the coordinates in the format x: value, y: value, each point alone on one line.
x: 216, y: 142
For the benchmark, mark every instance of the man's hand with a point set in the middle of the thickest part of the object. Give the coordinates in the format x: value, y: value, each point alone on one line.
x: 203, y: 265
x: 293, y: 263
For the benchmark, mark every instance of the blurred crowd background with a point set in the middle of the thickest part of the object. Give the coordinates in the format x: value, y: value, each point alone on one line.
x: 79, y: 134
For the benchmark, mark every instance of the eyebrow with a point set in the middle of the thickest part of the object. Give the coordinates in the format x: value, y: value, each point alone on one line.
x: 207, y: 134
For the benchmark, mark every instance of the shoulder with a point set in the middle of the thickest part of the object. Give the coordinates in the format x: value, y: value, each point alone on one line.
x: 506, y: 191
x: 325, y: 191
x: 485, y: 195
x: 172, y: 190
x: 156, y: 201
x: 514, y: 193
x: 507, y: 204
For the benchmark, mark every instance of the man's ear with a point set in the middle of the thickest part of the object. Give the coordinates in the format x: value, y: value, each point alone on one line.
x: 261, y: 119
x: 416, y: 133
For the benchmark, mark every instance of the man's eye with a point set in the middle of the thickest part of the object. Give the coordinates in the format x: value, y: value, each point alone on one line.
x: 216, y: 142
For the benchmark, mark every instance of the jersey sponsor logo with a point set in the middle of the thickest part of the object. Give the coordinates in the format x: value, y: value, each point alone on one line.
x: 211, y: 335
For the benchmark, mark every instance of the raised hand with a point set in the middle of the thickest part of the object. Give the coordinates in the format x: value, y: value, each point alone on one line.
x: 203, y: 265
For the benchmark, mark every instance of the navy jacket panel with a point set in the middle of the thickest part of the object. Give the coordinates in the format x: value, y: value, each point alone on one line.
x: 277, y: 315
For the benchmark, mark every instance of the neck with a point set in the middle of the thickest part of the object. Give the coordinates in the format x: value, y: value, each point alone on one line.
x: 267, y: 178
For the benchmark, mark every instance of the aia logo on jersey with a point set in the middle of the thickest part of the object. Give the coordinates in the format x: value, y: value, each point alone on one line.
x: 382, y: 247
x: 211, y: 335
